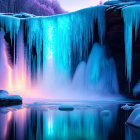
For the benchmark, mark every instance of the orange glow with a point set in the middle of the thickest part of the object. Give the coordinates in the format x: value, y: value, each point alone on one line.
x: 9, y: 118
x: 16, y: 79
x: 20, y: 117
x: 9, y: 70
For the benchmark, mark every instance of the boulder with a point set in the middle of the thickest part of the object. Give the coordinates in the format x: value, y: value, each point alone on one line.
x: 9, y: 100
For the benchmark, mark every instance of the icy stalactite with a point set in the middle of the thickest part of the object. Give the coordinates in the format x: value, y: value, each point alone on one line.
x: 62, y: 35
x: 131, y: 16
x: 11, y: 24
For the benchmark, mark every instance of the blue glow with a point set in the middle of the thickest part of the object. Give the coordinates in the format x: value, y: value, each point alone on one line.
x: 131, y: 19
x: 62, y: 35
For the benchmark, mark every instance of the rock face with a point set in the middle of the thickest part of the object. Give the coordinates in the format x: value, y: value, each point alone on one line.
x: 115, y: 42
x: 9, y: 100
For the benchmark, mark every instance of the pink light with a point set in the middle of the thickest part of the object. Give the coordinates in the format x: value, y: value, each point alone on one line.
x: 74, y: 5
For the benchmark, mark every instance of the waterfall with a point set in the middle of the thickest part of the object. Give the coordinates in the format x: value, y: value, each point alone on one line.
x: 47, y: 50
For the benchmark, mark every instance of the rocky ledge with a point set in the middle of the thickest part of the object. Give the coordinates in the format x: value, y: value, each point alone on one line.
x: 9, y: 100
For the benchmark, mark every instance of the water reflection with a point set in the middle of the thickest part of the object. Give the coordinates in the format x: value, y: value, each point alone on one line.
x: 132, y: 133
x: 46, y: 122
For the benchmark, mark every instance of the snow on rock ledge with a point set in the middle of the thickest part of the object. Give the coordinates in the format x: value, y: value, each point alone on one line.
x: 126, y: 107
x: 8, y: 100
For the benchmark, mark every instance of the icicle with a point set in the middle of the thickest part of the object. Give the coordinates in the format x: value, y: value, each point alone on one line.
x: 52, y: 40
x: 131, y: 16
x: 11, y: 24
x: 58, y: 33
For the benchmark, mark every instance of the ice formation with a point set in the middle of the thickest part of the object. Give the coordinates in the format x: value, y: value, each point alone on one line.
x: 60, y: 36
x: 98, y: 73
x: 131, y: 20
x: 45, y: 45
x: 10, y: 24
x: 47, y: 50
x: 79, y: 76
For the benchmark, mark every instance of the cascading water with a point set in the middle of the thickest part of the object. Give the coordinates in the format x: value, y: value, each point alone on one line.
x: 46, y: 50
x: 5, y: 69
x: 98, y: 75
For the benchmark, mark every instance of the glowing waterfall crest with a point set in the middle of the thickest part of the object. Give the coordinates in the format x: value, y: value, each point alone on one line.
x: 131, y: 16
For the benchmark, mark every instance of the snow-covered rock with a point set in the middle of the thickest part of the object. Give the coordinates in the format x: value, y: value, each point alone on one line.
x: 66, y: 107
x: 126, y: 107
x: 5, y: 96
x: 134, y: 118
x: 8, y: 100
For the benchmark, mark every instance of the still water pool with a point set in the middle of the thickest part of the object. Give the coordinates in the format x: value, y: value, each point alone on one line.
x: 42, y: 120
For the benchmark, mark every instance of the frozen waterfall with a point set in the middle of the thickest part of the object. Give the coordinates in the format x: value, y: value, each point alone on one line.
x: 131, y: 16
x: 47, y: 50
